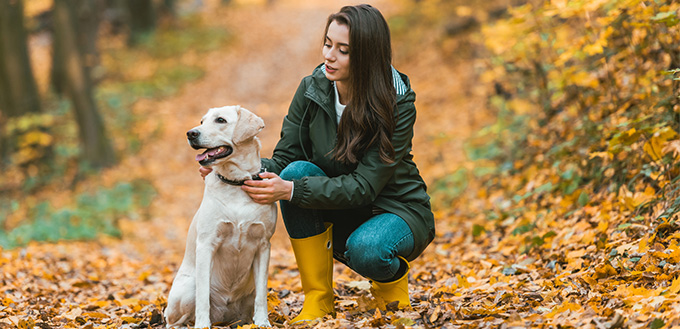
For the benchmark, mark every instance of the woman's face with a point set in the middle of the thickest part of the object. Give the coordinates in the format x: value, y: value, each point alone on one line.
x: 336, y: 52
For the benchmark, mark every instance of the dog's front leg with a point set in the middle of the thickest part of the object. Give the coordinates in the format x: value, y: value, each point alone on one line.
x: 204, y: 257
x: 260, y: 314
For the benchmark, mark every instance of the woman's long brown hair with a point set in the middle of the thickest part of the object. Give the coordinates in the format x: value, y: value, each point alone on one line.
x: 369, y: 116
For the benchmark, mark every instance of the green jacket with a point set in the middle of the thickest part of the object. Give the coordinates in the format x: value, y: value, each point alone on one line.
x: 309, y: 133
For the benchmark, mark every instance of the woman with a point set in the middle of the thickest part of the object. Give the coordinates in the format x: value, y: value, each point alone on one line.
x: 346, y: 180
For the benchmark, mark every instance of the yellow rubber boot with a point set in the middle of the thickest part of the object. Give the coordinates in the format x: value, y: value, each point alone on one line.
x: 314, y: 256
x: 389, y: 292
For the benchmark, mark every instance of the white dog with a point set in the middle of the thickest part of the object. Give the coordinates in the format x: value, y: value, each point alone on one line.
x: 223, y: 277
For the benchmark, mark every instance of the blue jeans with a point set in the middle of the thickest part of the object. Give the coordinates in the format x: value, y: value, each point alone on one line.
x: 369, y: 244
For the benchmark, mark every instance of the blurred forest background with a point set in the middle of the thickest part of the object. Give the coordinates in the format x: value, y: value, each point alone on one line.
x: 547, y: 132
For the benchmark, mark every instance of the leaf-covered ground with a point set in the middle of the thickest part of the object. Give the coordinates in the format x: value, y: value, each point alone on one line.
x: 472, y: 276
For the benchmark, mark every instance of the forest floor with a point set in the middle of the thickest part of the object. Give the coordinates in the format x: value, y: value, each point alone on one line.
x: 124, y: 282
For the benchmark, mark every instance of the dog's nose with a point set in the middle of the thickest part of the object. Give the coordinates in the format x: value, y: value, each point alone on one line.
x: 193, y: 134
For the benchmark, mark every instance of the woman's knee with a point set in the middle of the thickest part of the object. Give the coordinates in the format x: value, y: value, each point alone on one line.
x: 371, y: 260
x: 299, y: 169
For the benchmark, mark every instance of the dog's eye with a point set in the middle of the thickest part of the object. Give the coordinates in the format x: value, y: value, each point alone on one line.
x: 220, y: 120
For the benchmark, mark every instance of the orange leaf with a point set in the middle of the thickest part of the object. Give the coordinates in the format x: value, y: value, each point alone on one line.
x: 604, y: 270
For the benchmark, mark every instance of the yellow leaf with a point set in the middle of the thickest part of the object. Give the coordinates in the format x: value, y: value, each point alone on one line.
x: 7, y: 301
x: 653, y: 147
x: 273, y: 300
x: 35, y: 137
x: 26, y: 324
x: 593, y: 49
x: 129, y: 302
x: 520, y: 106
x: 603, y: 226
x: 130, y: 319
x: 632, y: 200
x: 674, y: 257
x: 584, y: 79
x: 247, y: 326
x: 462, y: 281
x: 144, y: 275
x: 675, y: 286
x: 642, y: 247
x: 666, y: 133
x: 589, y: 280
x: 97, y: 315
x: 627, y: 137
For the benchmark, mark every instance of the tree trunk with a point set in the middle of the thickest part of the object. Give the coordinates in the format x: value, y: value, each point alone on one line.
x: 18, y: 90
x: 96, y: 148
x: 142, y: 19
x: 19, y: 93
x: 89, y: 18
x: 88, y: 13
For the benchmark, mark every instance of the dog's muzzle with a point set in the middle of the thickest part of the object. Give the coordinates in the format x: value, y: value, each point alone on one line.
x: 211, y: 153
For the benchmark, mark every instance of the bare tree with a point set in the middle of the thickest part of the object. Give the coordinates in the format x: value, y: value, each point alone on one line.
x: 77, y: 86
x: 89, y: 14
x: 18, y: 90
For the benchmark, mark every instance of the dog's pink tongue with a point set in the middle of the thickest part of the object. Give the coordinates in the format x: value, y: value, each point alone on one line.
x: 200, y: 157
x: 208, y: 153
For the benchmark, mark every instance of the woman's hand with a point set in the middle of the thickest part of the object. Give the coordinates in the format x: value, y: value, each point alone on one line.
x: 269, y: 190
x: 204, y: 171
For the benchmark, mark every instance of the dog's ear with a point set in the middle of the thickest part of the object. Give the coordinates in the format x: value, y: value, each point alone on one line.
x: 247, y: 126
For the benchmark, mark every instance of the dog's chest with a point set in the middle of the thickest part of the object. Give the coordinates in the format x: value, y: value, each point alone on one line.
x: 237, y: 246
x: 239, y: 237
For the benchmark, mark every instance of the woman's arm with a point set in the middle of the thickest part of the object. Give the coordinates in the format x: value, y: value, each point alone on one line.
x: 358, y: 188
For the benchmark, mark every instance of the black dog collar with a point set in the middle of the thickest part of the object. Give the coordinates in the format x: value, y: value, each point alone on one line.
x: 240, y: 182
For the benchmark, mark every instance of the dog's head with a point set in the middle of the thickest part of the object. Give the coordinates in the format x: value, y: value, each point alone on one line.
x: 222, y: 129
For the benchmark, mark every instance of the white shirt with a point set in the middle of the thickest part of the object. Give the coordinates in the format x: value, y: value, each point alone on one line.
x: 339, y: 108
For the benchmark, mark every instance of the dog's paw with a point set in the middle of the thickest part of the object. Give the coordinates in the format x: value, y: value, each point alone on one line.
x: 261, y: 321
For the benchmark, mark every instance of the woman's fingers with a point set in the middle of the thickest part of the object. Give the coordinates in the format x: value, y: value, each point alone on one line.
x: 268, y: 190
x: 268, y: 175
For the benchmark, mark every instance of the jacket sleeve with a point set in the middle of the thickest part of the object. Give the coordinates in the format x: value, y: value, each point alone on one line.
x: 362, y: 186
x: 289, y: 147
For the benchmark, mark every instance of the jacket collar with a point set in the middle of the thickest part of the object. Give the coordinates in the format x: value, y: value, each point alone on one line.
x: 321, y: 90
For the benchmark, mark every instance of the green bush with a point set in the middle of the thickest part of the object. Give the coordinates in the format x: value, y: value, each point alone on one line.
x: 93, y: 214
